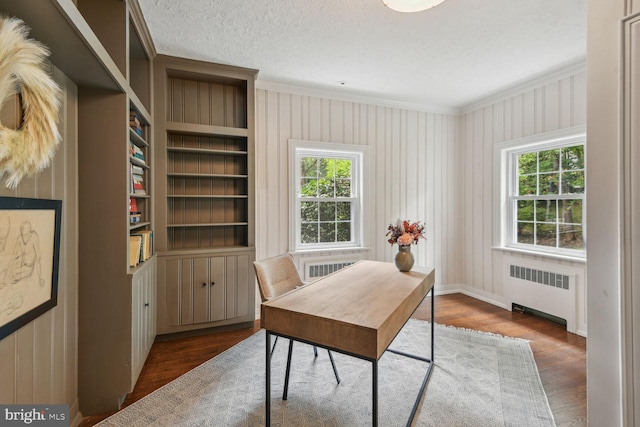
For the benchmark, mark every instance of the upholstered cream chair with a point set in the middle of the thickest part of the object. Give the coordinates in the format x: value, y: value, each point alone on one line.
x: 276, y: 276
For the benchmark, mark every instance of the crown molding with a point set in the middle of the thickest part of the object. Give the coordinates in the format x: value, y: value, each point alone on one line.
x: 350, y: 97
x: 505, y: 93
x: 528, y: 85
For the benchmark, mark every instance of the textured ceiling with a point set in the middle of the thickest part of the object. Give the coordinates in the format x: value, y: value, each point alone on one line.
x: 448, y: 56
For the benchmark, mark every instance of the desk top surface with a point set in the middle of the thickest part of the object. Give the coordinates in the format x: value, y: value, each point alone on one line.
x: 358, y: 309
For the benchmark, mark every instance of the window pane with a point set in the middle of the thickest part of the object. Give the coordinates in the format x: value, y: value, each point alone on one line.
x: 549, y: 183
x: 525, y: 210
x: 343, y: 211
x: 571, y: 211
x: 327, y: 232
x: 344, y: 232
x: 546, y: 235
x: 571, y: 237
x: 343, y: 168
x: 327, y: 211
x: 550, y: 174
x: 327, y: 176
x: 573, y: 182
x: 326, y: 188
x: 549, y: 161
x: 308, y: 187
x: 527, y: 185
x: 527, y: 163
x: 309, y: 167
x: 343, y: 187
x: 573, y: 157
x: 546, y: 210
x: 328, y: 168
x: 525, y: 232
x: 309, y: 233
x: 309, y: 211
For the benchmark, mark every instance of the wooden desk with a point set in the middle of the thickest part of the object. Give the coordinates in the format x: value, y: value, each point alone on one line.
x: 358, y: 311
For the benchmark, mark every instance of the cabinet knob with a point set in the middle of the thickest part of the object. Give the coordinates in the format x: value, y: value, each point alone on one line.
x: 213, y: 283
x: 204, y: 285
x: 146, y: 304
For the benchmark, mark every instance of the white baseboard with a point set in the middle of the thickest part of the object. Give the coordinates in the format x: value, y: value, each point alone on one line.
x: 473, y: 293
x: 483, y: 296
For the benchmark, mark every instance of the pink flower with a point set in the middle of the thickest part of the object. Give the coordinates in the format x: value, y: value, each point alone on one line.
x: 405, y: 240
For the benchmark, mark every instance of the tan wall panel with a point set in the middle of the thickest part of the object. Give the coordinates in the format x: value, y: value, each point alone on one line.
x: 39, y: 361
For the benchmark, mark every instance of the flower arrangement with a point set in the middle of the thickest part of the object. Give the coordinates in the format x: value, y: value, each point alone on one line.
x: 404, y: 233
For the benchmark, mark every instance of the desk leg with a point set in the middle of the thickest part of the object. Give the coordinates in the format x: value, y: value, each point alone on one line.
x: 374, y: 388
x: 432, y: 322
x: 267, y: 380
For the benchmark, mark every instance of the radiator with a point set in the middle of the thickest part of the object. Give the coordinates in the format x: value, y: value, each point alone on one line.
x: 548, y: 288
x: 315, y: 268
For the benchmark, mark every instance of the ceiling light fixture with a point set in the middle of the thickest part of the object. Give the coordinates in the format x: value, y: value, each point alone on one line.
x: 411, y: 5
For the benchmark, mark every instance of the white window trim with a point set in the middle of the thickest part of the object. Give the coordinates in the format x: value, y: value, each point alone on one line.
x: 501, y: 176
x: 360, y: 170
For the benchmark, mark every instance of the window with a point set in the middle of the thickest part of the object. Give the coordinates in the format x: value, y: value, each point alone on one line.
x: 327, y: 195
x: 544, y: 208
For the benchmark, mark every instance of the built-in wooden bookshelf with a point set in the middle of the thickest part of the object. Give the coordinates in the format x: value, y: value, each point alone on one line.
x: 117, y: 297
x: 207, y: 191
x: 204, y: 206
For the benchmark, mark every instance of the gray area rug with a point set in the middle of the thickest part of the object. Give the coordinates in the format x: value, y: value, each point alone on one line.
x: 478, y: 380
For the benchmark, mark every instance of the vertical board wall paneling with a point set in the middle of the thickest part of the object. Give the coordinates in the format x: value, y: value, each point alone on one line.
x: 260, y: 173
x: 489, y: 284
x: 431, y: 204
x: 466, y: 204
x: 551, y: 106
x: 476, y: 212
x: 275, y: 162
x: 39, y: 361
x: 406, y: 152
x: 284, y: 111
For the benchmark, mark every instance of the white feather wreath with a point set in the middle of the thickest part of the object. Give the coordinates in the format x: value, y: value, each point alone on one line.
x: 29, y: 149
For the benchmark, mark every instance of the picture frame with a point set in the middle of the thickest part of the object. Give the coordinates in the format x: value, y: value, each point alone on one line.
x: 29, y: 260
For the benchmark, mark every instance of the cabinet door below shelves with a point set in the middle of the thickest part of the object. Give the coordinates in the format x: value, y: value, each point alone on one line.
x: 207, y: 289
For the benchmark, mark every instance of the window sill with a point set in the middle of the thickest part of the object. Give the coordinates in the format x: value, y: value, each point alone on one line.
x: 561, y: 257
x: 324, y: 250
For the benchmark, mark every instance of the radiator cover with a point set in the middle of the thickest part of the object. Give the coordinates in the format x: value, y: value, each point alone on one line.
x: 546, y: 287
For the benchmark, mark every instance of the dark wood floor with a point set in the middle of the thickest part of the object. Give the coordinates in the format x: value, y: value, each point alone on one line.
x: 560, y: 356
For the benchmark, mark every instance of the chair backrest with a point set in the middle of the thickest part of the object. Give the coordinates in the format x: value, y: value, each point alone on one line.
x: 276, y: 276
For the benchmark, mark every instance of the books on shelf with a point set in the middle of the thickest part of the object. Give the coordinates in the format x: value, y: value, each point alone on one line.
x: 136, y: 182
x: 136, y: 152
x: 135, y: 246
x: 140, y: 247
x: 134, y: 122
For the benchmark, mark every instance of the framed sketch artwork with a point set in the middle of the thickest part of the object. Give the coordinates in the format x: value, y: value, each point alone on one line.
x: 29, y: 258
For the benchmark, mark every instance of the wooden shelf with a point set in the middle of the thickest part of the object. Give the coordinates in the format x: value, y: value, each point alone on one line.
x: 137, y: 139
x: 207, y: 196
x: 206, y: 130
x: 139, y: 225
x: 224, y: 224
x: 205, y: 175
x: 206, y: 151
x: 138, y: 162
